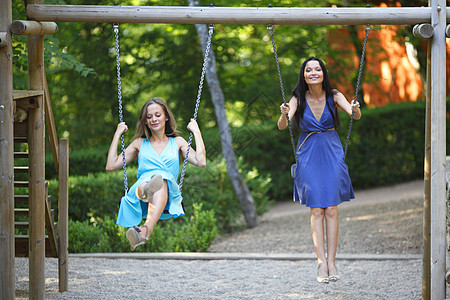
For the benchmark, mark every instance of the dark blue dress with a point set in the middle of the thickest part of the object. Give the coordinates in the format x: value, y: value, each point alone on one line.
x: 321, y: 177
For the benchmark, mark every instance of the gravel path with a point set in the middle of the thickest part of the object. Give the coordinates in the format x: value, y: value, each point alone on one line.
x: 379, y: 221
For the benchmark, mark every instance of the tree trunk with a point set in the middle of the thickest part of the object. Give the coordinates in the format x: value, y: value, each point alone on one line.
x: 241, y: 189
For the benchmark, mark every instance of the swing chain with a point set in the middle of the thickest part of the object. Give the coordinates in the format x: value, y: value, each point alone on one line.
x: 197, y: 103
x: 119, y: 94
x: 270, y: 28
x: 361, y: 63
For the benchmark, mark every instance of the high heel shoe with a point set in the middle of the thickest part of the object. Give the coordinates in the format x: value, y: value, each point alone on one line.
x: 335, y: 277
x: 135, y: 238
x: 151, y: 187
x: 321, y: 279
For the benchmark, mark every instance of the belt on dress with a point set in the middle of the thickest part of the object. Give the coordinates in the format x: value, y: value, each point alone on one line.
x: 311, y: 133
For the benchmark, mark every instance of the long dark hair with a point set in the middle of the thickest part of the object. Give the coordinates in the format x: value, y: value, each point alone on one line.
x: 142, y: 130
x: 300, y: 89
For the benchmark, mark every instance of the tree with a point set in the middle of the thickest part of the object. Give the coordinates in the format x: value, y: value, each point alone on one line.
x: 217, y: 96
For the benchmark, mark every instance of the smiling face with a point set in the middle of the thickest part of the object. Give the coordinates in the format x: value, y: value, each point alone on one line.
x: 313, y: 72
x: 156, y: 118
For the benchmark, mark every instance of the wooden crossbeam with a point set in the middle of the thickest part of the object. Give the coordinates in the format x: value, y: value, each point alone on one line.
x: 22, y: 94
x: 20, y: 27
x: 231, y: 15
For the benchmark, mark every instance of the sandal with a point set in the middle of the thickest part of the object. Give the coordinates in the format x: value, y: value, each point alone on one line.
x: 135, y: 238
x: 151, y: 187
x: 334, y: 278
x: 321, y: 279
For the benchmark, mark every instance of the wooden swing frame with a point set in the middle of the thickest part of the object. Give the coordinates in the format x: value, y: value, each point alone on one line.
x: 437, y: 14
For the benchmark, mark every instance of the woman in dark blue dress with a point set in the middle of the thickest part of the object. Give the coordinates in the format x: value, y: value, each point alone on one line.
x: 321, y: 177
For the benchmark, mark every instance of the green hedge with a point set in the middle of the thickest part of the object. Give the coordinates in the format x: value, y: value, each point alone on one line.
x: 82, y: 162
x: 387, y: 145
x: 212, y: 187
x: 190, y: 234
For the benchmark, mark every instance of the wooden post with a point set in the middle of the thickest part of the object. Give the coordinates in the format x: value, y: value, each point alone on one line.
x: 36, y: 160
x: 438, y: 161
x: 7, y: 249
x: 50, y: 122
x: 426, y: 259
x: 230, y: 15
x: 63, y: 215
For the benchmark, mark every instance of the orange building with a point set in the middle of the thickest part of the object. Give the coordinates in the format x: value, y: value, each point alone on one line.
x: 391, y: 69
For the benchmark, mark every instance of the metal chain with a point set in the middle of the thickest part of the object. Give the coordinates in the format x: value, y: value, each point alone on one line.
x: 361, y: 63
x: 270, y: 28
x: 119, y: 94
x: 197, y: 103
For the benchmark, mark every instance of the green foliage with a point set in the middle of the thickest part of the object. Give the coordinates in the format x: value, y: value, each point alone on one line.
x: 189, y: 234
x: 82, y: 162
x: 113, y: 236
x: 264, y: 147
x: 83, y: 237
x: 194, y: 233
x: 212, y: 187
x: 387, y: 145
x: 94, y: 195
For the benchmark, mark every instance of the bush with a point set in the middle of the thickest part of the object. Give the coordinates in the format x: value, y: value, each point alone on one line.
x: 263, y: 147
x: 387, y: 145
x: 83, y: 237
x: 81, y: 162
x: 181, y: 235
x: 212, y: 187
x: 94, y: 195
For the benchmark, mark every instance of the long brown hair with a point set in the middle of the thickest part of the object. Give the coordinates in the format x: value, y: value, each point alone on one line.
x: 143, y: 131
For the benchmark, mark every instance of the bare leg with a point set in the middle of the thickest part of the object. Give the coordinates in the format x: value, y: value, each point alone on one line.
x: 331, y: 217
x: 317, y: 229
x: 155, y: 209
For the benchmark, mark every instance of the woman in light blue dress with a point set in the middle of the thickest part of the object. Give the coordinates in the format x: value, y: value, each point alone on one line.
x: 321, y: 178
x: 156, y: 194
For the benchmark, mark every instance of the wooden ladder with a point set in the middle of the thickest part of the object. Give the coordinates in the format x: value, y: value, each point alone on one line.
x: 56, y: 243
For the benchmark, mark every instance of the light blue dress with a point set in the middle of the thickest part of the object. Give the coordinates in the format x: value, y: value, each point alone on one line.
x: 321, y: 177
x: 132, y: 210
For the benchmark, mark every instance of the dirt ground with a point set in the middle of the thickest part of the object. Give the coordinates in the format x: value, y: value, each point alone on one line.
x: 379, y: 221
x: 383, y: 221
